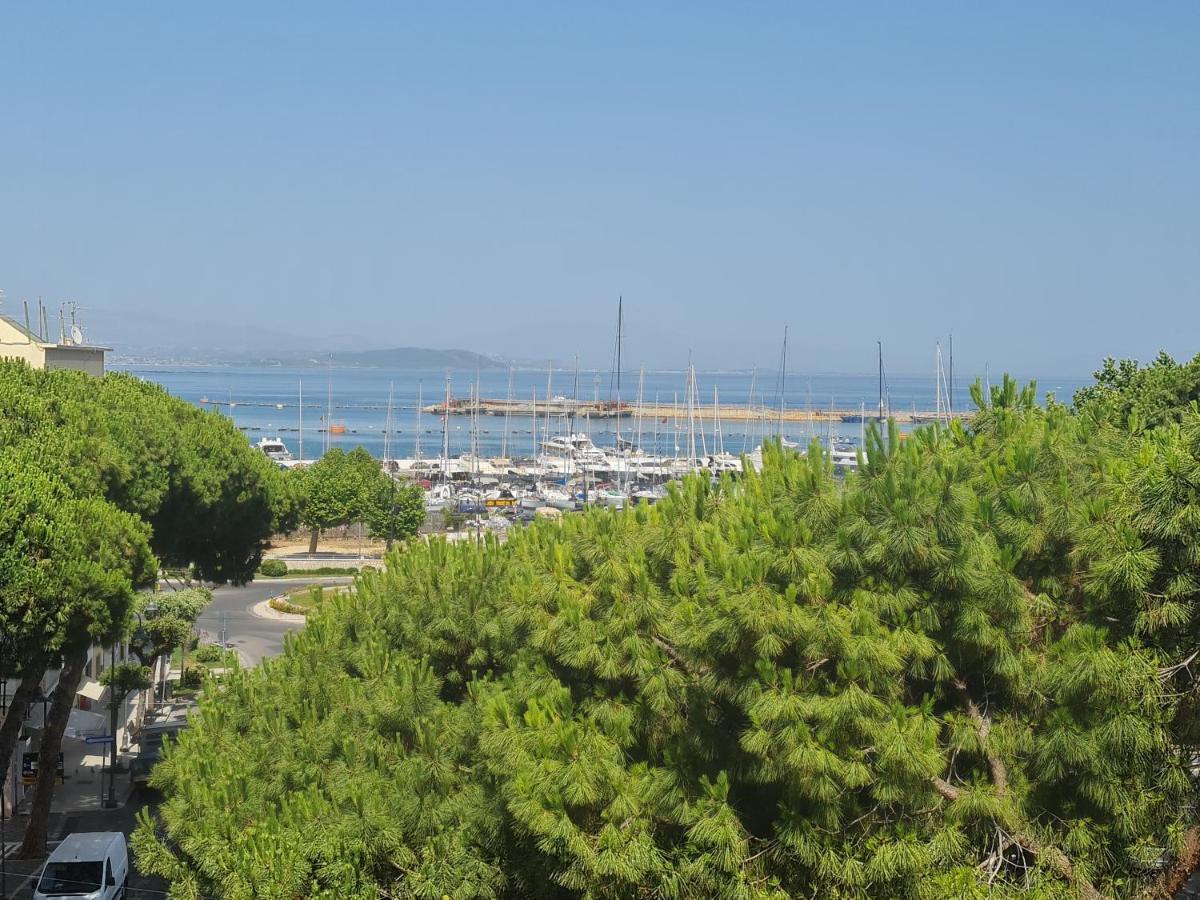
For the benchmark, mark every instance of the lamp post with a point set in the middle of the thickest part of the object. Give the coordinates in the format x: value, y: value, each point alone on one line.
x: 151, y: 610
x: 111, y: 801
x: 4, y: 655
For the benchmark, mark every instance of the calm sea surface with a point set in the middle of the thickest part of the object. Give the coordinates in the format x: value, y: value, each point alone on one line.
x: 265, y: 402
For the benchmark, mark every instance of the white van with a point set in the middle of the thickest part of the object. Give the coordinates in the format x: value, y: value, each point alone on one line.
x: 92, y: 866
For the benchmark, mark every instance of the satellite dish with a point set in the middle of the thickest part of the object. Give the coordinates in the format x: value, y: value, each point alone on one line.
x: 76, y: 334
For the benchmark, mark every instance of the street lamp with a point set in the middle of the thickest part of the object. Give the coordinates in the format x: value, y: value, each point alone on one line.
x: 7, y: 646
x: 111, y: 802
x: 151, y: 610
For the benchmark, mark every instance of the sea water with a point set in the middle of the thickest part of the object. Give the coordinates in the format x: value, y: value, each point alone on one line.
x: 265, y: 402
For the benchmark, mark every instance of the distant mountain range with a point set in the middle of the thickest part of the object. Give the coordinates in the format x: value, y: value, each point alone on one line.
x: 151, y: 337
x: 397, y: 358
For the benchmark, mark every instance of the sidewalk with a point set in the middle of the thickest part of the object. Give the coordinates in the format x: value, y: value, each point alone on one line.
x: 86, y: 771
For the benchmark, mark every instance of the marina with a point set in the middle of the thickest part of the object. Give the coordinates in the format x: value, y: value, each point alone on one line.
x: 487, y: 458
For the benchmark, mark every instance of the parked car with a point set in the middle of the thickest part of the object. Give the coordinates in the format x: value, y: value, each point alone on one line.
x: 150, y: 747
x: 88, y: 865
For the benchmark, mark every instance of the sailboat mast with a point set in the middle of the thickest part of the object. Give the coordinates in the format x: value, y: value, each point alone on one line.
x: 420, y: 399
x: 641, y: 386
x: 620, y: 323
x: 329, y: 403
x: 507, y: 413
x: 302, y: 418
x: 782, y: 382
x: 446, y: 434
x: 675, y: 421
x: 691, y: 413
x: 535, y: 423
x: 387, y: 428
x: 880, y: 345
x: 718, y: 437
x: 749, y: 426
x: 574, y: 396
x: 950, y: 389
x: 937, y: 378
x: 549, y: 395
x: 656, y: 453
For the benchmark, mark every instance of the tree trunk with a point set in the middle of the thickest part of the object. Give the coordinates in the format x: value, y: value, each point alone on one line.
x: 34, y: 845
x: 312, y: 540
x: 18, y: 708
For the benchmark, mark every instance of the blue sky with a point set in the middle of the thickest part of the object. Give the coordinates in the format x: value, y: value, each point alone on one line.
x: 493, y: 176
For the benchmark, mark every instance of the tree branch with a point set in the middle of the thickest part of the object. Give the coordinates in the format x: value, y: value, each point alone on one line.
x: 983, y: 727
x: 1167, y: 884
x: 1058, y: 861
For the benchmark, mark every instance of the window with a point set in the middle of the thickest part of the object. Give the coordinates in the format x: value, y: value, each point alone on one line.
x: 71, y: 878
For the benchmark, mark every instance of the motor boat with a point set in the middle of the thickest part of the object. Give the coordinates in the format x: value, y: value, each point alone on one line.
x: 277, y: 452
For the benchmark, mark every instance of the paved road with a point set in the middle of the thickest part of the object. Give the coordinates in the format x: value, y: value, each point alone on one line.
x: 21, y: 872
x: 254, y: 636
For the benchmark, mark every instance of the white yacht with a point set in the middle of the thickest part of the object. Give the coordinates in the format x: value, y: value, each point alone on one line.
x: 277, y: 452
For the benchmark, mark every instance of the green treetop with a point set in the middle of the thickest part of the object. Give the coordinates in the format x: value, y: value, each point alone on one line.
x: 933, y: 679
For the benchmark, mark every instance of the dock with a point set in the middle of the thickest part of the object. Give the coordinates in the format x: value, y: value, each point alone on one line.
x: 560, y: 407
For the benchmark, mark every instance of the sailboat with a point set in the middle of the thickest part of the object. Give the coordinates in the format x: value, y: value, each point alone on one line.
x: 884, y: 399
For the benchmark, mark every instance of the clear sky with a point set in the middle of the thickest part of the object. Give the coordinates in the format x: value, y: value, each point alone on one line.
x: 493, y: 176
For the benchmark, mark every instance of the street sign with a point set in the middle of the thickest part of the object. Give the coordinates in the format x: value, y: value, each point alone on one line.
x: 98, y: 739
x: 29, y: 767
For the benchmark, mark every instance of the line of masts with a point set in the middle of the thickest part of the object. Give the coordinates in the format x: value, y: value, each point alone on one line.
x: 944, y: 405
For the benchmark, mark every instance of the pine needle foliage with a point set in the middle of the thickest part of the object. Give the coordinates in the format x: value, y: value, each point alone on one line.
x: 962, y: 672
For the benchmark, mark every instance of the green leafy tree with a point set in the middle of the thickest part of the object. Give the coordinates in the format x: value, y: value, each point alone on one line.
x: 114, y: 547
x: 332, y: 489
x: 1131, y: 396
x: 131, y: 472
x: 164, y: 621
x: 393, y: 511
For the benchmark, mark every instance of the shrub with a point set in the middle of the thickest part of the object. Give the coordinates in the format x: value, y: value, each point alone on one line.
x: 192, y: 677
x: 209, y: 653
x: 281, y: 604
x: 273, y: 568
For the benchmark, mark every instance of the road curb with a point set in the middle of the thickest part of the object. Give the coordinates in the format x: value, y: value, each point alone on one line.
x: 264, y: 610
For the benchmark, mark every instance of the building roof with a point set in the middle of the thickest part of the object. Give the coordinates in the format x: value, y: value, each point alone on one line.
x: 32, y: 338
x: 20, y: 329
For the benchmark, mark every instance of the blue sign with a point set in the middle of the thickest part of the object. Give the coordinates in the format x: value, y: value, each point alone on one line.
x: 99, y: 739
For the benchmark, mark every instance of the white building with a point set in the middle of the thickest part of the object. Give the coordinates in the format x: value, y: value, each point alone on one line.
x: 70, y: 351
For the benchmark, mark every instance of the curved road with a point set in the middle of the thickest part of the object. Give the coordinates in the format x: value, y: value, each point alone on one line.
x: 253, y: 636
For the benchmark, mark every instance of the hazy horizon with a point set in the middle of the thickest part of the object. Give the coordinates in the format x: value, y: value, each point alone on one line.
x: 493, y: 179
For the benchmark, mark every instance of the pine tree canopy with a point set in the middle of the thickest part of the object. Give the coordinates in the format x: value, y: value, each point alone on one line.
x: 967, y: 671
